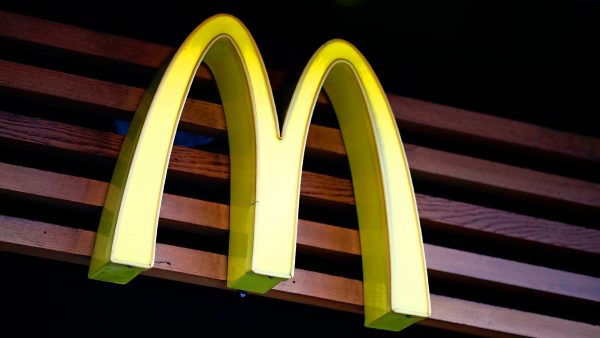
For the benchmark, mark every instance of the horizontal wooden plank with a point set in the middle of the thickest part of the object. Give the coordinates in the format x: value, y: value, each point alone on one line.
x: 191, y: 215
x: 455, y: 215
x: 458, y: 216
x: 412, y: 114
x: 430, y: 164
x: 209, y: 269
x: 519, y: 183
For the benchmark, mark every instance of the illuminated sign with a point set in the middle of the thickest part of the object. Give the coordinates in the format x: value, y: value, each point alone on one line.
x: 266, y: 166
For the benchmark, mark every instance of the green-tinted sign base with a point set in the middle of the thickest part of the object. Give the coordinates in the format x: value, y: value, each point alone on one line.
x: 115, y: 273
x: 254, y: 282
x: 393, y: 321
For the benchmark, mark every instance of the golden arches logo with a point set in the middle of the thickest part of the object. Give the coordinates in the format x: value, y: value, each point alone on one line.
x: 265, y: 171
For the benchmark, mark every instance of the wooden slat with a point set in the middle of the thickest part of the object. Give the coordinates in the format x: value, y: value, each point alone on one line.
x: 433, y: 210
x: 411, y: 114
x: 55, y: 135
x: 434, y: 165
x: 483, y: 175
x: 461, y: 264
x: 209, y: 269
x: 311, y: 235
x: 458, y: 216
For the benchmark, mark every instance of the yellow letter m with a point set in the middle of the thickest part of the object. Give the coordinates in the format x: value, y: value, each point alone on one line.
x: 266, y: 166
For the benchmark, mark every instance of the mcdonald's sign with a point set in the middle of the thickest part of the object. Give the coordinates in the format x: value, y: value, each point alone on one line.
x: 266, y: 165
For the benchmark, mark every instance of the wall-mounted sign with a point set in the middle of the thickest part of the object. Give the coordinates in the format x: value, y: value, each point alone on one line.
x: 266, y: 166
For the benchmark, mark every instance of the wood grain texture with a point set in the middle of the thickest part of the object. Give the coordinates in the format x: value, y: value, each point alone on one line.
x: 520, y: 183
x: 411, y: 114
x: 461, y: 216
x: 430, y: 164
x: 51, y: 135
x: 196, y: 215
x: 209, y: 269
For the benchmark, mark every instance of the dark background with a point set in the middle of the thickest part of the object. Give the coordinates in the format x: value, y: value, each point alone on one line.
x: 45, y: 298
x: 527, y: 60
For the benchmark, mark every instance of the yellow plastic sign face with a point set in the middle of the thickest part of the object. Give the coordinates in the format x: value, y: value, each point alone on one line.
x: 266, y: 169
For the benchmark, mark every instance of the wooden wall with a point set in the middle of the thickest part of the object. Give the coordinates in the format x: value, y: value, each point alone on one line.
x: 509, y: 210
